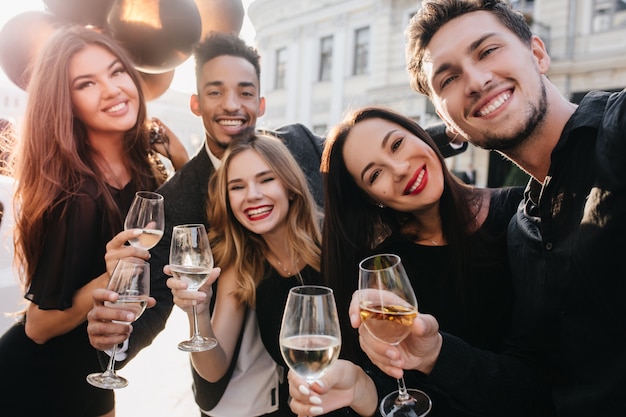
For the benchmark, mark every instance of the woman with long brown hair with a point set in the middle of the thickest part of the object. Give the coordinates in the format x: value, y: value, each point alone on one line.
x: 82, y: 155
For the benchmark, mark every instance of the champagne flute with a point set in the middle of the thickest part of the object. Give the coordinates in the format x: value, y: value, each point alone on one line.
x: 131, y: 280
x: 191, y: 260
x: 146, y: 213
x: 310, y: 338
x: 388, y: 307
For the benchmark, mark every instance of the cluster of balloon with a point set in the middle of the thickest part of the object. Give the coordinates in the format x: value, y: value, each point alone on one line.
x: 158, y: 34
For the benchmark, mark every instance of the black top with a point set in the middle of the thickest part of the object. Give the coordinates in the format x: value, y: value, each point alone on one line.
x: 566, y: 245
x: 480, y: 311
x: 48, y: 379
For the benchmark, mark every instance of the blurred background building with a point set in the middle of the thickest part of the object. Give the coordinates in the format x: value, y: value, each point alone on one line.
x: 321, y: 58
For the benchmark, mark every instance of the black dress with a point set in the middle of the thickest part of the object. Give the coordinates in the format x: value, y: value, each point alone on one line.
x: 479, y: 311
x: 49, y: 379
x: 271, y: 297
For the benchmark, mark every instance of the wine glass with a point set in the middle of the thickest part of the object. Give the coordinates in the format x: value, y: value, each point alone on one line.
x: 310, y: 338
x: 131, y: 280
x: 191, y: 260
x: 388, y: 307
x: 146, y: 213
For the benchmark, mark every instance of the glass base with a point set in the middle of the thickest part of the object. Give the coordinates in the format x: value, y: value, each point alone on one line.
x: 107, y: 380
x: 197, y: 344
x: 418, y: 404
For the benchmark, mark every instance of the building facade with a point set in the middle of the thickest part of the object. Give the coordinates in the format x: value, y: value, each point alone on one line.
x: 321, y: 58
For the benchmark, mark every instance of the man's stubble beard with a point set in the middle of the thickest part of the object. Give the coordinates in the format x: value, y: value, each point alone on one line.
x: 536, y: 116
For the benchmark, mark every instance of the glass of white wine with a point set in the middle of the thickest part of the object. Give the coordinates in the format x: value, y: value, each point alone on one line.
x: 310, y: 339
x: 388, y: 307
x: 191, y: 260
x: 131, y: 280
x: 146, y: 213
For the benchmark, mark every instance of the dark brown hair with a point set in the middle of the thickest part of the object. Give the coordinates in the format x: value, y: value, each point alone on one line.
x: 433, y: 14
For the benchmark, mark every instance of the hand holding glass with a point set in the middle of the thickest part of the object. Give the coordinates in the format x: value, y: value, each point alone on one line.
x: 146, y: 213
x: 388, y: 307
x: 131, y: 280
x: 310, y: 338
x: 191, y: 260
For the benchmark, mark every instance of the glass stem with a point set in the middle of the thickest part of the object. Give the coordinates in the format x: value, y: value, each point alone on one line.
x: 196, y: 334
x: 403, y: 394
x: 111, y: 366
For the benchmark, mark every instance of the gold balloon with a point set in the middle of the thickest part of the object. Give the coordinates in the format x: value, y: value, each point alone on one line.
x: 85, y: 12
x: 21, y: 39
x: 158, y: 34
x: 220, y: 16
x: 154, y: 85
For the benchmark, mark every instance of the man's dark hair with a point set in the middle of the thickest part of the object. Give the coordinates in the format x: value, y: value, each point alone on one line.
x: 222, y: 43
x: 435, y: 13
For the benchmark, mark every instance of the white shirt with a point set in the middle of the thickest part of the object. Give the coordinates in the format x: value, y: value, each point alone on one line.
x: 253, y: 387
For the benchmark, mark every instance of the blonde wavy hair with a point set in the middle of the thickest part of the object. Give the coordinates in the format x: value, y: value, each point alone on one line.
x: 233, y: 244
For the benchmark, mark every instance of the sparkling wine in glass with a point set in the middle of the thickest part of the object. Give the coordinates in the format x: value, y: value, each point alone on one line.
x: 191, y: 260
x: 388, y: 307
x: 131, y: 280
x: 146, y: 213
x: 310, y: 339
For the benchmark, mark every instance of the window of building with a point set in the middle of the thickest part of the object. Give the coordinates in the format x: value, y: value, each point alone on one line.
x: 281, y: 68
x: 608, y: 15
x: 326, y: 58
x: 361, y: 51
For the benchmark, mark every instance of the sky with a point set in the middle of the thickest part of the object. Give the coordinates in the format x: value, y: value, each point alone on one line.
x: 183, y: 75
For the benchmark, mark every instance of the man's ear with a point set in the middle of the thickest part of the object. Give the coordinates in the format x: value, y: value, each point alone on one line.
x: 194, y: 104
x: 541, y: 54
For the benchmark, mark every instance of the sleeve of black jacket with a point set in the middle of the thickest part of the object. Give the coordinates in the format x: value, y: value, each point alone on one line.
x: 306, y: 147
x: 438, y: 133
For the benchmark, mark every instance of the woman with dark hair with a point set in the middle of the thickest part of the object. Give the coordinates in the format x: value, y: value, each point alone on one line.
x: 388, y: 190
x: 82, y: 155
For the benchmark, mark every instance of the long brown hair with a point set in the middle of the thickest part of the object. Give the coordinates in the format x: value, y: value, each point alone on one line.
x: 233, y: 244
x: 54, y: 157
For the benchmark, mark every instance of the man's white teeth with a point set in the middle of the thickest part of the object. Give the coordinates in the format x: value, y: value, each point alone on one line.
x: 417, y: 182
x: 494, y: 104
x: 117, y: 107
x: 259, y: 211
x: 231, y: 122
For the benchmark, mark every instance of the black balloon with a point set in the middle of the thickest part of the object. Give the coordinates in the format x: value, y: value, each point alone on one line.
x: 154, y: 85
x: 158, y: 34
x: 21, y: 39
x: 220, y: 15
x: 85, y: 12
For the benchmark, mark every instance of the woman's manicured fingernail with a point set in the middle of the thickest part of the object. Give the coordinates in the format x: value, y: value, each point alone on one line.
x: 316, y: 411
x: 304, y: 390
x: 314, y: 399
